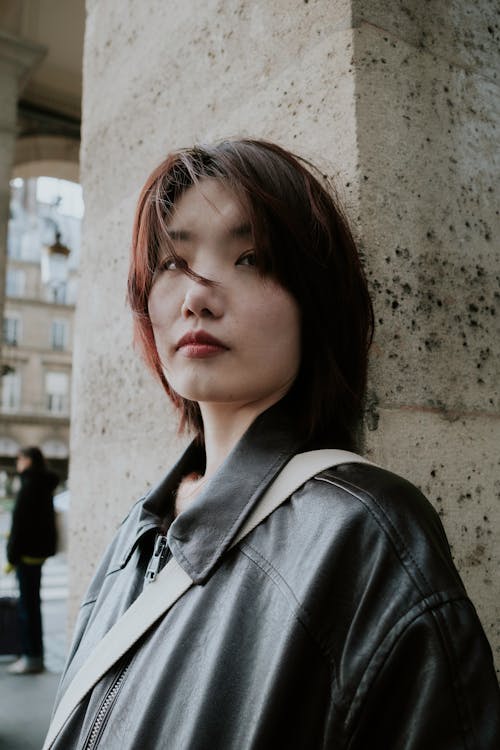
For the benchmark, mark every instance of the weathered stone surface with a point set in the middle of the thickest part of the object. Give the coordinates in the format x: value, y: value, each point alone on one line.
x: 429, y: 222
x: 465, y: 34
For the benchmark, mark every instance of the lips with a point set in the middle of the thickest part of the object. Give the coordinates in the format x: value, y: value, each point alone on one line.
x: 200, y: 344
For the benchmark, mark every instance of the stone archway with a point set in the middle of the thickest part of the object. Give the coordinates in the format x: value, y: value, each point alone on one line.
x: 53, y: 156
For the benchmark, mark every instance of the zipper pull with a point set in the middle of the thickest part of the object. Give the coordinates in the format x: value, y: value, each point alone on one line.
x: 159, y: 554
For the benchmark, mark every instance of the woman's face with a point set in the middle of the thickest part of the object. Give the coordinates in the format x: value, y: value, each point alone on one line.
x: 22, y: 463
x: 234, y: 342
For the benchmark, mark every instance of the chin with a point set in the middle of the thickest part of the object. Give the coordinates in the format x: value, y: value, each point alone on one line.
x: 201, y: 393
x: 217, y: 390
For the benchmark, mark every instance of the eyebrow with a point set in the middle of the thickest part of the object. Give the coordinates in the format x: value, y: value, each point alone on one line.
x: 178, y: 234
x: 183, y: 235
x: 241, y: 230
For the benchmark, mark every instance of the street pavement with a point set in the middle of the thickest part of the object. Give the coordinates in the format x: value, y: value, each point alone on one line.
x: 26, y: 701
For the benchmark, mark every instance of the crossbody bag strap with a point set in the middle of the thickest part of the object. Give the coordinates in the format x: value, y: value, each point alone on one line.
x: 172, y: 582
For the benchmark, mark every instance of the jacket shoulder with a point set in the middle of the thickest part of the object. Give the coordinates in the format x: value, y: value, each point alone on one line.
x: 408, y: 623
x: 390, y: 498
x: 381, y: 506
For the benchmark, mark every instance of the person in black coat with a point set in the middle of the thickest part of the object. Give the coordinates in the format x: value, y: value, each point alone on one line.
x: 32, y: 539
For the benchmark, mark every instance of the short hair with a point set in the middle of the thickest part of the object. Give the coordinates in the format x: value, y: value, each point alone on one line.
x: 303, y: 241
x: 36, y: 457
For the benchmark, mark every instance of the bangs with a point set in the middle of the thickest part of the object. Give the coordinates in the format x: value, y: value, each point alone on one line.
x: 152, y: 241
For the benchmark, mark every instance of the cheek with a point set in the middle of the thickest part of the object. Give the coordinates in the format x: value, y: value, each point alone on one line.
x: 154, y: 308
x: 280, y: 324
x: 159, y: 305
x: 159, y: 322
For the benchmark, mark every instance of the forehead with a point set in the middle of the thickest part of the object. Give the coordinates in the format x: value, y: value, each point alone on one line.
x: 208, y: 201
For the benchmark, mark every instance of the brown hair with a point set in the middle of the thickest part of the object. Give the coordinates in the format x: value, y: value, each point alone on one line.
x: 301, y: 239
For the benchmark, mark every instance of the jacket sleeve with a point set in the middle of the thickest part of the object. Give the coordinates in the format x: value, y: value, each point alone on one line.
x: 431, y: 684
x: 20, y: 515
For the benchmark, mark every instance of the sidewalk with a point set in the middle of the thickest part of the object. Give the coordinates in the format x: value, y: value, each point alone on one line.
x: 26, y: 701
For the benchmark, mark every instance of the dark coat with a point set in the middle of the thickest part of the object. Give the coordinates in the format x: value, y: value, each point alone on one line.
x: 339, y: 623
x: 33, y: 530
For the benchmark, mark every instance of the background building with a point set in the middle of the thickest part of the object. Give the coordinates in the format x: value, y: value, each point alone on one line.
x: 41, y: 44
x: 38, y: 319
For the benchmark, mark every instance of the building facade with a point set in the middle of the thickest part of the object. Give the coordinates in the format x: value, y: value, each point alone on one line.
x: 38, y: 321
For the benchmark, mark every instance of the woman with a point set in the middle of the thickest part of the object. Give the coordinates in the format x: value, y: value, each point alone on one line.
x: 32, y: 539
x: 338, y: 622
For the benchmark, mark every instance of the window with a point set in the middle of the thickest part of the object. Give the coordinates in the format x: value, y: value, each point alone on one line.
x: 38, y: 207
x: 65, y: 196
x: 56, y: 388
x: 13, y: 243
x: 59, y: 334
x: 12, y: 329
x: 59, y: 293
x: 15, y: 282
x: 11, y: 391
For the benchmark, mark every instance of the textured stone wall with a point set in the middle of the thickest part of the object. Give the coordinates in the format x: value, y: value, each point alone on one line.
x: 397, y: 108
x: 427, y: 109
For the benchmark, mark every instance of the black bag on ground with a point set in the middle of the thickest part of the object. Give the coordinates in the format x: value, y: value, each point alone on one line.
x: 10, y: 643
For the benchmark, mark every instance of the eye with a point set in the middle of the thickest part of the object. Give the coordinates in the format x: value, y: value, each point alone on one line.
x: 170, y: 264
x: 247, y: 259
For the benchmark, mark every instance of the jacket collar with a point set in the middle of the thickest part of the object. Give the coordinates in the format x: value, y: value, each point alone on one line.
x: 201, y: 534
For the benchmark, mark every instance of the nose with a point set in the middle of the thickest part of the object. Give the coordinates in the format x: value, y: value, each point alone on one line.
x: 201, y: 300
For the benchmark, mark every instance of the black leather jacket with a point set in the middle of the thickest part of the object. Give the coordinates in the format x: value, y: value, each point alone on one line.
x: 339, y: 622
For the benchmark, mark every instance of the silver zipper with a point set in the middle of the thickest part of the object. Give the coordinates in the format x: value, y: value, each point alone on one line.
x: 104, y: 710
x: 159, y: 554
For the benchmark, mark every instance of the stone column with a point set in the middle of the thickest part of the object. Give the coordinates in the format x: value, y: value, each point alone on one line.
x: 427, y: 111
x: 395, y: 105
x: 18, y: 58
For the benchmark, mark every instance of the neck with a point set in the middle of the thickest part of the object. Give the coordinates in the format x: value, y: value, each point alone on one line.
x: 223, y: 426
x: 221, y: 433
x: 222, y: 430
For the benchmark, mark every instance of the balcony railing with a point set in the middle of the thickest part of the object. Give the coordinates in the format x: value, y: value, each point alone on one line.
x: 53, y: 408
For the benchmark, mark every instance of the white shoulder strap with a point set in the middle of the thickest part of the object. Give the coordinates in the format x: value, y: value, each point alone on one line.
x: 173, y: 582
x: 298, y: 470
